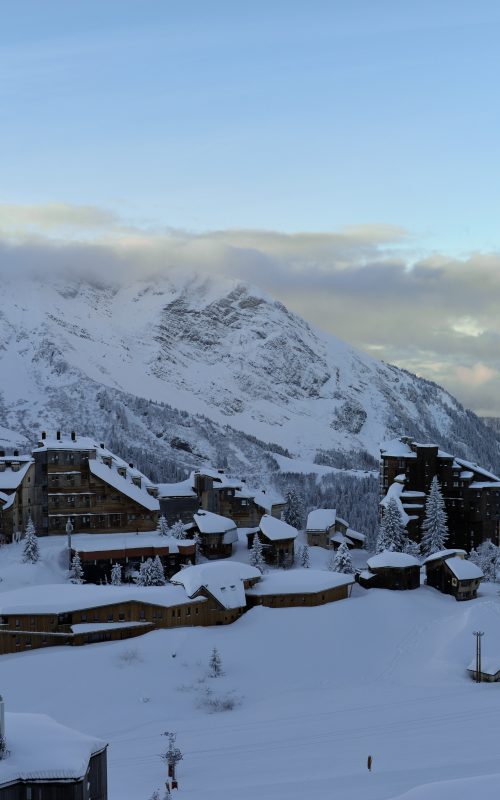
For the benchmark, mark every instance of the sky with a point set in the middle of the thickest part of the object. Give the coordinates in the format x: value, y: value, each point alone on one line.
x: 343, y: 155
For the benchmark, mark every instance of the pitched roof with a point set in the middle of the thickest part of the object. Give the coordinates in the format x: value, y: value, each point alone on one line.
x: 109, y: 475
x: 42, y: 749
x: 392, y: 559
x: 210, y: 523
x: 321, y: 519
x: 276, y: 529
x: 444, y: 554
x: 464, y: 570
x: 180, y: 489
x: 223, y: 579
x: 10, y: 479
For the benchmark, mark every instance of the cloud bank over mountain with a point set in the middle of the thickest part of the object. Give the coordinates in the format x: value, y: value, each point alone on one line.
x: 371, y: 285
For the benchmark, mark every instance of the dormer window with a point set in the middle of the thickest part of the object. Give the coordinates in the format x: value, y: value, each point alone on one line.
x: 136, y: 480
x: 122, y: 471
x: 106, y: 460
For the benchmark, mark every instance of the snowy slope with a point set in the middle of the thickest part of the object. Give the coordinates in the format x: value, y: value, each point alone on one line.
x: 219, y: 349
x: 389, y: 679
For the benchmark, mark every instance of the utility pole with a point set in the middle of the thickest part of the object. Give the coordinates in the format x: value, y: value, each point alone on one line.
x: 478, y: 635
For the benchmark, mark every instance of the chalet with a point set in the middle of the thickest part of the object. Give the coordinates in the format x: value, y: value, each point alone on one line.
x: 471, y: 493
x: 232, y: 497
x: 178, y: 501
x: 223, y: 584
x: 48, y: 761
x: 489, y: 672
x: 216, y: 534
x: 268, y: 501
x: 300, y: 587
x: 390, y: 570
x: 84, y: 482
x: 325, y: 529
x: 18, y: 499
x: 451, y: 573
x: 278, y: 540
x: 98, y: 553
x: 50, y: 615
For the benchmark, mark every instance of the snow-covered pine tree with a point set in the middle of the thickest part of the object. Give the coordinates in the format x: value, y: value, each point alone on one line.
x: 488, y: 556
x: 146, y: 576
x: 434, y: 526
x: 411, y: 547
x: 332, y: 561
x: 76, y: 571
x: 116, y: 575
x: 31, y: 550
x: 215, y: 664
x: 256, y: 554
x: 343, y: 561
x: 3, y: 747
x: 158, y: 572
x: 293, y: 512
x: 392, y: 532
x: 162, y: 526
x: 305, y: 559
x: 177, y: 530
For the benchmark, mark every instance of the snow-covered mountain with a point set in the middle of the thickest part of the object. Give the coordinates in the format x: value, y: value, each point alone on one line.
x: 230, y: 363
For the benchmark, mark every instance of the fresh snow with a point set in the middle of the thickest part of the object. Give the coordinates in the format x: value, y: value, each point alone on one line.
x: 464, y: 570
x: 294, y: 581
x: 321, y: 519
x: 275, y: 529
x: 390, y: 558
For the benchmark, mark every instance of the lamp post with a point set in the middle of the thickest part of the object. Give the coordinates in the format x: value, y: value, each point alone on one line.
x: 478, y: 635
x: 69, y: 531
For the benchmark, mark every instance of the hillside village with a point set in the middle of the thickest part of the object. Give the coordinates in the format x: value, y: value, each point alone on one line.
x: 123, y: 556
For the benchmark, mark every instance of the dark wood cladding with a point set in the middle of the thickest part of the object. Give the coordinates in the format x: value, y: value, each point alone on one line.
x: 96, y: 564
x: 92, y: 786
x: 392, y: 578
x: 440, y: 576
x: 473, y: 511
x: 300, y: 599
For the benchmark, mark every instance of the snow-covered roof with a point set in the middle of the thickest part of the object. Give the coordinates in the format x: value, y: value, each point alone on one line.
x: 41, y: 750
x: 112, y: 477
x: 276, y: 529
x: 470, y: 465
x: 466, y: 474
x: 489, y: 666
x: 392, y: 559
x: 352, y: 534
x: 366, y: 575
x: 63, y: 598
x: 464, y: 570
x: 7, y: 500
x: 485, y: 485
x: 223, y: 579
x: 267, y: 498
x: 101, y: 542
x: 396, y: 448
x: 339, y: 538
x: 83, y: 443
x: 299, y: 581
x: 180, y: 489
x: 208, y: 522
x: 10, y: 479
x: 444, y: 554
x: 222, y: 481
x: 321, y: 519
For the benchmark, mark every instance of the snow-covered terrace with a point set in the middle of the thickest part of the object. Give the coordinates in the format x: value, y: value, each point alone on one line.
x: 95, y: 542
x: 41, y: 749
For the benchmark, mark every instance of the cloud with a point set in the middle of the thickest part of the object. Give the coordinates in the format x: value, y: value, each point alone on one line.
x: 370, y: 285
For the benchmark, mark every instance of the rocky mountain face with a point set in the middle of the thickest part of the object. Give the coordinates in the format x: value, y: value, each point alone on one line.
x: 178, y: 372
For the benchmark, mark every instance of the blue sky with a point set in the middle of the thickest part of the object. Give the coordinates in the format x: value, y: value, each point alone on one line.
x: 363, y: 136
x: 277, y: 115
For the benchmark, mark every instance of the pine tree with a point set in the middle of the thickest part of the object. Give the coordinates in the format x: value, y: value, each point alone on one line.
x: 215, y: 664
x: 256, y: 554
x: 177, y: 530
x: 76, y: 571
x: 487, y: 558
x: 305, y: 560
x: 411, y: 547
x: 162, y: 526
x: 293, y: 512
x: 116, y: 575
x: 392, y: 532
x: 31, y: 550
x: 147, y: 575
x: 3, y: 747
x: 343, y: 561
x: 158, y: 572
x: 434, y: 526
x: 332, y: 562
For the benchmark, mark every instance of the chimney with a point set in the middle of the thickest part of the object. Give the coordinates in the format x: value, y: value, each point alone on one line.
x: 44, y: 436
x: 2, y: 718
x: 2, y: 453
x: 73, y: 436
x: 16, y: 453
x: 58, y: 436
x: 131, y: 466
x: 102, y: 445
